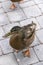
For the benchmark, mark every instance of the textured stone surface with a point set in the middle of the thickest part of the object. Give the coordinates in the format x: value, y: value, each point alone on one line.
x: 1, y: 10
x: 26, y: 4
x: 0, y: 5
x: 38, y: 1
x: 39, y: 52
x: 6, y: 6
x: 39, y: 34
x: 41, y: 63
x: 35, y: 42
x: 27, y: 60
x: 2, y: 0
x: 3, y: 19
x: 8, y: 60
x: 41, y: 7
x: 32, y: 11
x: 0, y: 51
x: 16, y: 16
x: 1, y: 33
x: 40, y: 20
x: 6, y: 48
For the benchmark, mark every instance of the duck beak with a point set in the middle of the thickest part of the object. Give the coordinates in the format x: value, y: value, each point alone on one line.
x: 7, y: 35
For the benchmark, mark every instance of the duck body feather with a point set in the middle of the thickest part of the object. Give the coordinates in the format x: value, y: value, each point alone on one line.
x: 23, y: 38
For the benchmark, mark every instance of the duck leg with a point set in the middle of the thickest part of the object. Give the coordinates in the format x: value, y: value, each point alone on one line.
x: 16, y: 51
x: 26, y: 53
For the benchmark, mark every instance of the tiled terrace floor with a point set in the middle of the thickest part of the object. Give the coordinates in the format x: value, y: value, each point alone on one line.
x: 25, y: 13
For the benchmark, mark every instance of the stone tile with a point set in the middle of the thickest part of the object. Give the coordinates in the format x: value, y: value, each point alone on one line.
x: 38, y: 49
x: 6, y: 6
x: 0, y: 5
x: 6, y: 48
x: 38, y: 1
x: 41, y: 7
x: 40, y: 20
x: 32, y: 11
x: 26, y: 60
x: 1, y: 33
x: 16, y: 15
x: 39, y: 34
x: 7, y: 28
x: 3, y: 19
x: 39, y: 63
x: 35, y: 42
x: 0, y: 51
x: 26, y: 4
x: 28, y: 21
x: 1, y: 10
x: 26, y: 0
x: 8, y: 60
x: 3, y: 0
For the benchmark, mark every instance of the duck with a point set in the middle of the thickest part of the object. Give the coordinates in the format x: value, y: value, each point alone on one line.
x: 13, y: 5
x: 22, y: 37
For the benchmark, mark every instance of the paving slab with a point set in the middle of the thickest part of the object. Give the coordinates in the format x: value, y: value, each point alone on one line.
x: 2, y: 0
x: 1, y: 33
x: 39, y: 34
x: 5, y: 46
x: 35, y: 42
x: 41, y: 7
x: 39, y: 63
x: 8, y: 60
x: 6, y: 6
x: 16, y: 15
x: 40, y: 20
x: 1, y: 10
x: 26, y: 60
x: 0, y: 51
x: 38, y: 1
x: 3, y: 19
x: 32, y: 11
x: 27, y: 4
x: 39, y: 51
x: 0, y: 5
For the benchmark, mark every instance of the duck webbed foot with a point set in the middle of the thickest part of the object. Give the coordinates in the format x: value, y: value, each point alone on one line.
x: 26, y: 53
x: 12, y: 6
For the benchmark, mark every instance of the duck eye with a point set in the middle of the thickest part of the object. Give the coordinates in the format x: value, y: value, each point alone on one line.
x: 13, y: 30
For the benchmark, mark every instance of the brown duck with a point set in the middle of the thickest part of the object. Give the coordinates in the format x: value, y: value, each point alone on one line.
x: 22, y: 37
x: 13, y: 5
